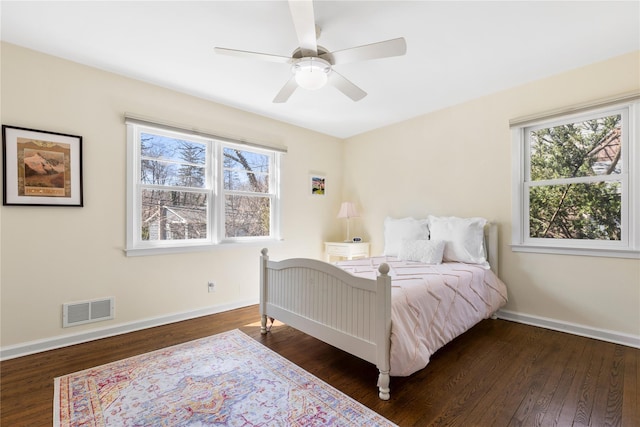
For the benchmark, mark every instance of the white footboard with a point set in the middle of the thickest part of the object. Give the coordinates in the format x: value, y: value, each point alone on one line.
x: 320, y: 299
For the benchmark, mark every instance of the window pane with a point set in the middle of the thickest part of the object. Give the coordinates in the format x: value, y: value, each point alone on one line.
x: 246, y: 181
x: 172, y: 162
x: 172, y: 149
x: 587, y: 148
x: 247, y: 216
x: 245, y: 171
x: 576, y: 211
x: 173, y: 215
x: 245, y: 160
x: 156, y: 172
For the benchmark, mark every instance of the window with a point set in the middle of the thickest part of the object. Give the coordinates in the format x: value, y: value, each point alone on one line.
x: 576, y: 183
x: 187, y: 190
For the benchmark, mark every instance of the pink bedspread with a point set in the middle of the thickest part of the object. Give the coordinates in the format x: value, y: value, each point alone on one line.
x: 431, y: 305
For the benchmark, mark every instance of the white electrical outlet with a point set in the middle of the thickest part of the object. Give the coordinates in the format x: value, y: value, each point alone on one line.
x: 211, y: 286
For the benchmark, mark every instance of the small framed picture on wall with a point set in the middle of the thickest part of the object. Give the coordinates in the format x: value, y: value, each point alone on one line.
x: 317, y: 183
x: 41, y: 168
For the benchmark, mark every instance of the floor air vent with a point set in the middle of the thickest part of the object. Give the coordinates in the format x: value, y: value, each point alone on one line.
x: 79, y: 313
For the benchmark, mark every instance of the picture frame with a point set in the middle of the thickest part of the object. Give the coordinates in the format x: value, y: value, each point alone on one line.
x: 317, y: 184
x: 41, y: 168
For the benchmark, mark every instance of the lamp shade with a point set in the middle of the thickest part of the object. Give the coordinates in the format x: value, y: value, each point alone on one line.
x: 348, y: 210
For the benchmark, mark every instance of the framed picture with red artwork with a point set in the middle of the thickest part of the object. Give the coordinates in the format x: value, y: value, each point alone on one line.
x: 41, y: 168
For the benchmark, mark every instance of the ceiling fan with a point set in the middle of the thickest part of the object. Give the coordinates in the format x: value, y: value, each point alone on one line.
x: 312, y: 65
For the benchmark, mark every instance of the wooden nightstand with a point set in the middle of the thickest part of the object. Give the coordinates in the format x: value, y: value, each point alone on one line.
x: 346, y: 250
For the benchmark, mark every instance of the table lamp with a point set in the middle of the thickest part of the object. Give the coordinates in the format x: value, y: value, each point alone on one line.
x: 348, y: 210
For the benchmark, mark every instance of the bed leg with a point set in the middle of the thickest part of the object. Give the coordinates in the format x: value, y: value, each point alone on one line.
x: 263, y: 325
x: 383, y: 385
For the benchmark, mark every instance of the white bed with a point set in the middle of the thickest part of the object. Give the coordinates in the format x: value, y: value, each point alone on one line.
x: 393, y: 310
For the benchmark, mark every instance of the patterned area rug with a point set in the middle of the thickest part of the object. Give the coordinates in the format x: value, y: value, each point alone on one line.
x: 227, y: 379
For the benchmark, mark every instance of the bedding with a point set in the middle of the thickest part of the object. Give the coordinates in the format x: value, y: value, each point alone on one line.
x: 426, y: 251
x: 431, y: 304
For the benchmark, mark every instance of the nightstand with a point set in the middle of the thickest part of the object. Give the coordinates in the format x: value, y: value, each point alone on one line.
x: 346, y: 250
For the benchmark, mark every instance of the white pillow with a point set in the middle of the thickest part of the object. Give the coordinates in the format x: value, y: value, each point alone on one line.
x: 464, y: 238
x: 425, y: 251
x: 398, y: 230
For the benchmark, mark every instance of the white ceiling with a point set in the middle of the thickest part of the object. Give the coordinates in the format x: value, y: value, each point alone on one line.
x: 456, y: 51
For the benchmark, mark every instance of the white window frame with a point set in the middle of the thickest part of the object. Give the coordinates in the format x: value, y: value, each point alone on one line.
x: 629, y: 244
x: 135, y: 246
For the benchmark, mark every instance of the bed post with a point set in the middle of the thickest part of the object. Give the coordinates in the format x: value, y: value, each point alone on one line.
x: 263, y: 290
x: 383, y: 330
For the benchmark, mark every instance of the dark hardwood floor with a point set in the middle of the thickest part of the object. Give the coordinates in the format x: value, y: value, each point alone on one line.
x: 498, y: 374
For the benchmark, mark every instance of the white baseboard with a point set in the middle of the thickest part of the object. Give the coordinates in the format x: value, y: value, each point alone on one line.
x: 572, y: 328
x: 31, y: 347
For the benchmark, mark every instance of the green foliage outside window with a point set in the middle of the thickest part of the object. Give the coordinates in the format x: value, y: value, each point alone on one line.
x: 573, y: 192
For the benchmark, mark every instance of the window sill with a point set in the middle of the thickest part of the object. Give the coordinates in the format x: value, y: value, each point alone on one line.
x: 205, y: 247
x: 604, y: 253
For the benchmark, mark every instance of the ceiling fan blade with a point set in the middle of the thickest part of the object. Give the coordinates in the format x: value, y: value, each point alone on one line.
x: 346, y: 87
x: 286, y: 91
x: 385, y: 49
x: 305, y: 25
x: 252, y: 55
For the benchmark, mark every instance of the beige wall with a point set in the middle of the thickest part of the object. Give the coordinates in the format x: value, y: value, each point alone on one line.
x: 55, y: 255
x: 457, y: 161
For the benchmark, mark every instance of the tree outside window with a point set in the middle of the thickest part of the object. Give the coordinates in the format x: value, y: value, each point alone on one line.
x: 173, y: 175
x: 574, y: 191
x: 246, y: 186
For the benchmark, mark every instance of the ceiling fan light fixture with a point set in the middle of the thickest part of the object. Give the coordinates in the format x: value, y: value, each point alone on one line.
x: 311, y: 73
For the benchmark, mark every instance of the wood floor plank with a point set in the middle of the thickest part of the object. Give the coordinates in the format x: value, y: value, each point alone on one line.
x: 574, y: 352
x: 588, y: 389
x: 482, y: 383
x: 538, y: 392
x: 607, y: 408
x: 579, y: 401
x: 615, y: 395
x: 517, y: 375
x: 470, y: 389
x: 496, y: 373
x: 631, y: 390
